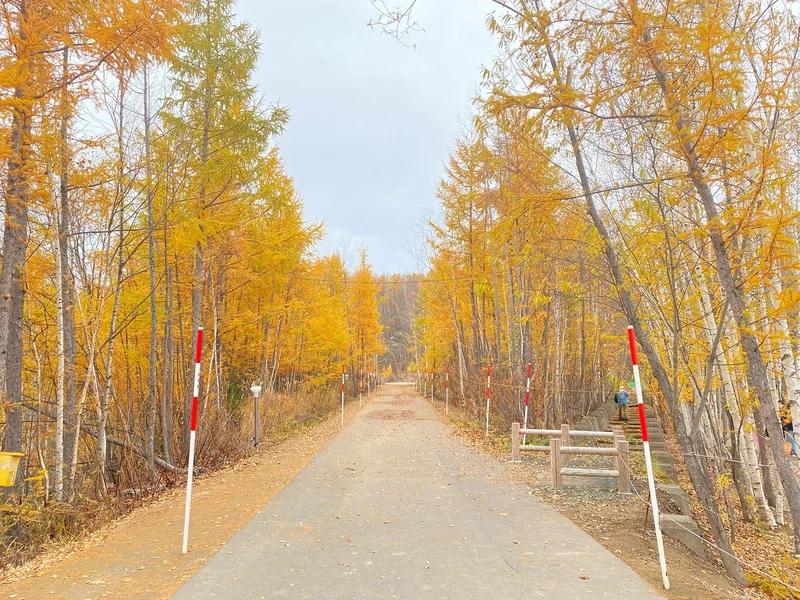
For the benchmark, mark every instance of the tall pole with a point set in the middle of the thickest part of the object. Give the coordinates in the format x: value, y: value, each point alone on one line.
x: 527, y: 402
x: 342, y: 395
x: 433, y: 377
x: 256, y: 389
x: 192, y: 436
x: 488, y: 395
x: 648, y: 460
x: 447, y: 390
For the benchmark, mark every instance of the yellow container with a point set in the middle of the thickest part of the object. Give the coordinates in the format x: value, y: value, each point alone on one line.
x: 9, y: 461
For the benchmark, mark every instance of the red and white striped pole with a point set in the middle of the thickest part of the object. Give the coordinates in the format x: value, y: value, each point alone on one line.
x: 433, y: 380
x: 447, y: 390
x: 192, y: 435
x: 527, y: 401
x: 647, y: 459
x: 342, y: 395
x: 488, y: 395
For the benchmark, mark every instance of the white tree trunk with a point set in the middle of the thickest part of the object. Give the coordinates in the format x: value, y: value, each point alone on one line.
x: 788, y: 359
x: 743, y: 426
x: 112, y: 333
x: 58, y: 483
x: 773, y: 392
x: 90, y: 377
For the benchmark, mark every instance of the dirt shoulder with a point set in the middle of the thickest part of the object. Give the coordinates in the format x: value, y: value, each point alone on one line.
x: 139, y: 556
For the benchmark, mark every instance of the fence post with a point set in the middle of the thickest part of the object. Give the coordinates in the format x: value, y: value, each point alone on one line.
x: 555, y: 462
x: 515, y: 452
x: 565, y: 439
x: 618, y: 431
x: 623, y: 465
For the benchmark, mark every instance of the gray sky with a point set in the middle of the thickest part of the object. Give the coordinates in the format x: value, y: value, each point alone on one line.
x: 372, y: 121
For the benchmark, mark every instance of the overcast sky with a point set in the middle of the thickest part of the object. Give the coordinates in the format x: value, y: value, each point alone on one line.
x: 372, y: 121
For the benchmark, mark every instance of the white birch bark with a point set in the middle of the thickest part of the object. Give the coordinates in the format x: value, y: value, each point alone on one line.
x: 58, y: 483
x: 743, y: 426
x: 773, y: 392
x: 789, y: 364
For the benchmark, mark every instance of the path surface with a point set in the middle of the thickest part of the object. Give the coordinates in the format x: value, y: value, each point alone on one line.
x: 398, y: 507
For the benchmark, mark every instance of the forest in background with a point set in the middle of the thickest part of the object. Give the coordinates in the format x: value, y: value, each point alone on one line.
x: 145, y: 196
x: 631, y: 163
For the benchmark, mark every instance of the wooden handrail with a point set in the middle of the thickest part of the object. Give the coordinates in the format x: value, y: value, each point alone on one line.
x: 565, y: 434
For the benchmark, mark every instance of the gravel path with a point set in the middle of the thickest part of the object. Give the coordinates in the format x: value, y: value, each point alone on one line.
x: 398, y: 507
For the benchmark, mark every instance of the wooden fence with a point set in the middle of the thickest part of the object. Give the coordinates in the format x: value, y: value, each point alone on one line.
x: 560, y: 451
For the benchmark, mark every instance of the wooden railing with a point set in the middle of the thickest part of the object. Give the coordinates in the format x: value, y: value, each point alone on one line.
x: 560, y: 449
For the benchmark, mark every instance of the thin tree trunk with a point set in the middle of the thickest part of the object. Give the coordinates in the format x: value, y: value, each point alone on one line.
x: 112, y: 333
x: 40, y: 455
x: 58, y: 483
x: 90, y: 379
x: 776, y: 499
x: 168, y: 361
x: 150, y: 425
x: 582, y: 337
x: 71, y: 412
x: 217, y: 308
x: 182, y: 361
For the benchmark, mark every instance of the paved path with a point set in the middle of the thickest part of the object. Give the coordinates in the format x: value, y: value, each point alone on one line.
x: 398, y: 507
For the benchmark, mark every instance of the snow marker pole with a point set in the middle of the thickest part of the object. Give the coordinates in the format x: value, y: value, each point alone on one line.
x: 447, y: 390
x: 433, y: 380
x: 256, y: 390
x: 648, y: 460
x: 488, y: 395
x: 192, y: 436
x: 342, y: 395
